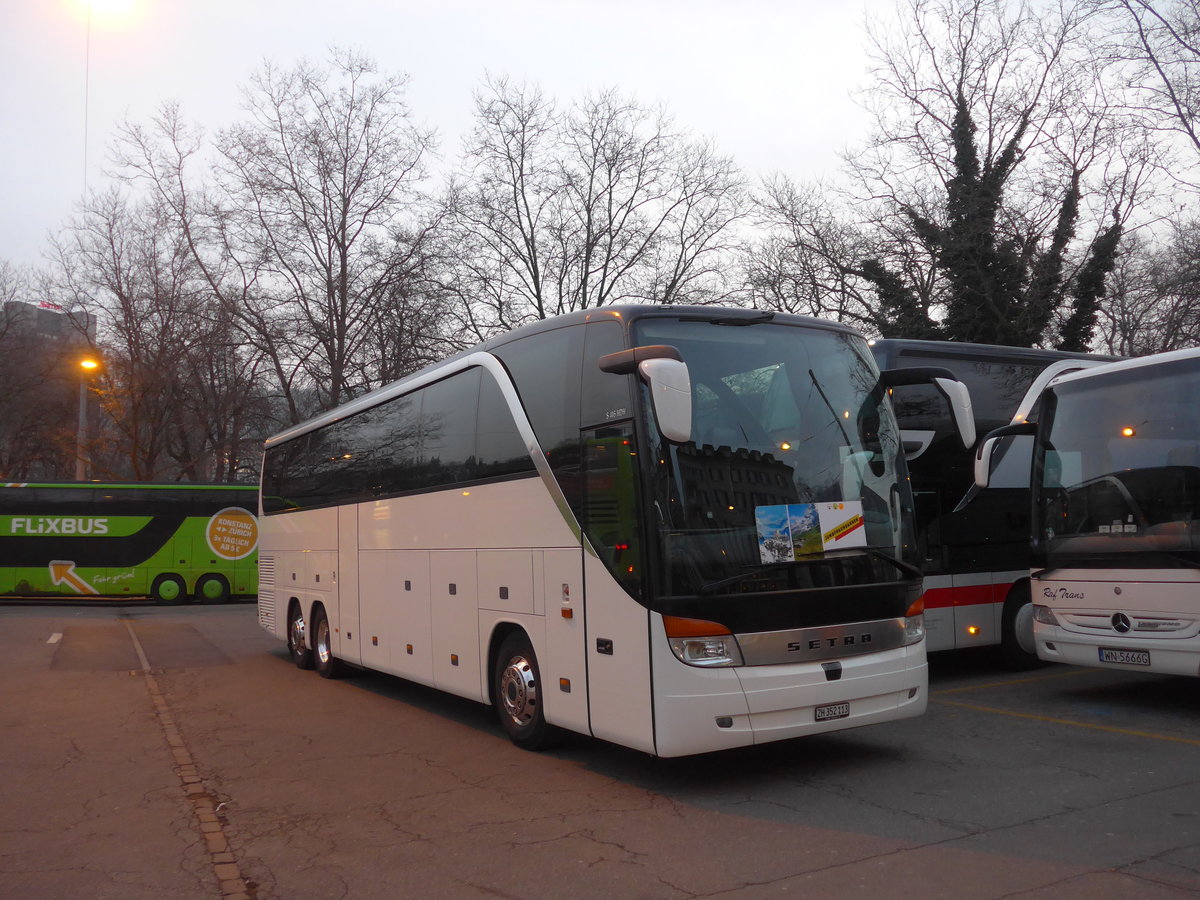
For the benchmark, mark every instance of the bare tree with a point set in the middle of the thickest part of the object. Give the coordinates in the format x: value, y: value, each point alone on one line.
x: 603, y: 202
x: 1155, y: 302
x: 1162, y: 42
x: 175, y: 385
x: 804, y: 255
x: 640, y: 200
x: 308, y: 228
x: 505, y: 208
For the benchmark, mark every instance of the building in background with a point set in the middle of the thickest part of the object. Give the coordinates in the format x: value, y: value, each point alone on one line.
x: 48, y: 410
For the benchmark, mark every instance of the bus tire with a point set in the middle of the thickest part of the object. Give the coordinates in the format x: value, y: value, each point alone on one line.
x: 328, y: 665
x: 517, y: 693
x: 301, y: 655
x: 1017, y: 649
x: 212, y: 589
x: 168, y: 590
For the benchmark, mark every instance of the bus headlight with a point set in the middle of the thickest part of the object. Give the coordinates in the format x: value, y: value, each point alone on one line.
x: 1044, y: 614
x: 698, y: 642
x: 914, y: 622
x: 914, y: 629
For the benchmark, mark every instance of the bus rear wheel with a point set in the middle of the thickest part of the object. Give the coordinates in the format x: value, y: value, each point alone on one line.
x: 168, y: 590
x: 212, y: 589
x: 328, y: 665
x: 297, y: 646
x: 517, y: 694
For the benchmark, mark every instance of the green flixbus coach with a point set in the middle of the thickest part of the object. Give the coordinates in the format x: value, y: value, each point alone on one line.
x: 167, y: 542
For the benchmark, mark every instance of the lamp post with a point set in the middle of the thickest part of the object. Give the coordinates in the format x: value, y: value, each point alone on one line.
x: 86, y: 366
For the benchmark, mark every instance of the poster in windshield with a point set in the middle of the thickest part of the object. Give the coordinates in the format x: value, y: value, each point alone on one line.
x: 801, y: 530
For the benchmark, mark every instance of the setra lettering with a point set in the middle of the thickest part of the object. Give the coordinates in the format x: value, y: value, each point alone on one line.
x: 845, y: 640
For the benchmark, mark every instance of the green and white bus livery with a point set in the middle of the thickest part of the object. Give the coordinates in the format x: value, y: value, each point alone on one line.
x: 168, y: 542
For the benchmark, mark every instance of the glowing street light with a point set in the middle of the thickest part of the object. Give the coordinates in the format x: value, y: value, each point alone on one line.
x: 86, y: 366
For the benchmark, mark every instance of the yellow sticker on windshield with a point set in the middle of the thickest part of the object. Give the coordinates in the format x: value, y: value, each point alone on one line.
x: 799, y: 530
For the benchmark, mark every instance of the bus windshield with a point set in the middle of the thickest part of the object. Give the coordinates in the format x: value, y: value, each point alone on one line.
x: 794, y: 476
x: 1117, y: 470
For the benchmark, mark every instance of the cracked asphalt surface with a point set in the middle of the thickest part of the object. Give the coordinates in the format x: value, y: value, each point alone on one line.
x: 211, y: 767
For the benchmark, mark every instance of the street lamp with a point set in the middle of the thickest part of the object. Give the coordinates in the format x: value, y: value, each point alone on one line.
x: 86, y: 367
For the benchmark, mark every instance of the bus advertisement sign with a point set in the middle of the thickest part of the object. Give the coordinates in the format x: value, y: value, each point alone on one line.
x: 232, y: 533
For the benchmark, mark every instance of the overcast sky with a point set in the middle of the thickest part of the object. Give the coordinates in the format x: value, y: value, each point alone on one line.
x: 771, y: 81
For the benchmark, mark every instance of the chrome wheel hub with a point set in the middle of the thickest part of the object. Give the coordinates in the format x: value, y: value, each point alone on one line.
x: 323, y: 650
x: 518, y: 691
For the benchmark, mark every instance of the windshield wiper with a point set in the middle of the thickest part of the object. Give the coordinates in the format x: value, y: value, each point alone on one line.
x: 906, y: 568
x: 711, y: 586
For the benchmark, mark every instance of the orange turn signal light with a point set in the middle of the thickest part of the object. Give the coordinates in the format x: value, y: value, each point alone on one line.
x: 679, y: 627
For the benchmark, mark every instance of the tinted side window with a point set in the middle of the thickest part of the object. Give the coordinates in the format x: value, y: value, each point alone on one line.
x: 545, y: 368
x: 279, y: 465
x: 501, y: 451
x: 448, y: 429
x: 367, y: 455
x: 380, y: 448
x: 604, y: 397
x: 437, y: 436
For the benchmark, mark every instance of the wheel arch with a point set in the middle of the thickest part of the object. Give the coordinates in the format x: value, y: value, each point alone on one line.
x: 1016, y: 623
x: 1014, y: 593
x: 500, y: 632
x: 307, y: 608
x: 294, y: 603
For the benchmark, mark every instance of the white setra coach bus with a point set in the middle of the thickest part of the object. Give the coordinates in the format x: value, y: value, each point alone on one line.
x: 676, y: 529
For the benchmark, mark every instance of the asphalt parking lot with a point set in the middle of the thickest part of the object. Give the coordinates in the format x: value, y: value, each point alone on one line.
x: 176, y: 752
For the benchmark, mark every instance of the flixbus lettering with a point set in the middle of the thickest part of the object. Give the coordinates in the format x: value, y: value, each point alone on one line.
x: 45, y: 525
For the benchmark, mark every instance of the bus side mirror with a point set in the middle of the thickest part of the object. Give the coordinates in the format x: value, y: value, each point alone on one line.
x: 983, y: 456
x: 959, y: 398
x: 662, y: 367
x: 671, y: 393
x: 955, y: 392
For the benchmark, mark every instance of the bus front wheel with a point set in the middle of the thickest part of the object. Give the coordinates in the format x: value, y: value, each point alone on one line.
x: 517, y: 693
x: 328, y: 665
x: 168, y: 590
x: 1017, y: 649
x: 212, y: 589
x: 297, y: 647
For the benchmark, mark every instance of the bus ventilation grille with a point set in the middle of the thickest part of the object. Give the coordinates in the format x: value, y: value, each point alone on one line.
x: 266, y: 592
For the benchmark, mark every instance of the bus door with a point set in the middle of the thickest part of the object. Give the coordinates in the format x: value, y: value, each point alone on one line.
x: 345, y: 597
x: 617, y: 639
